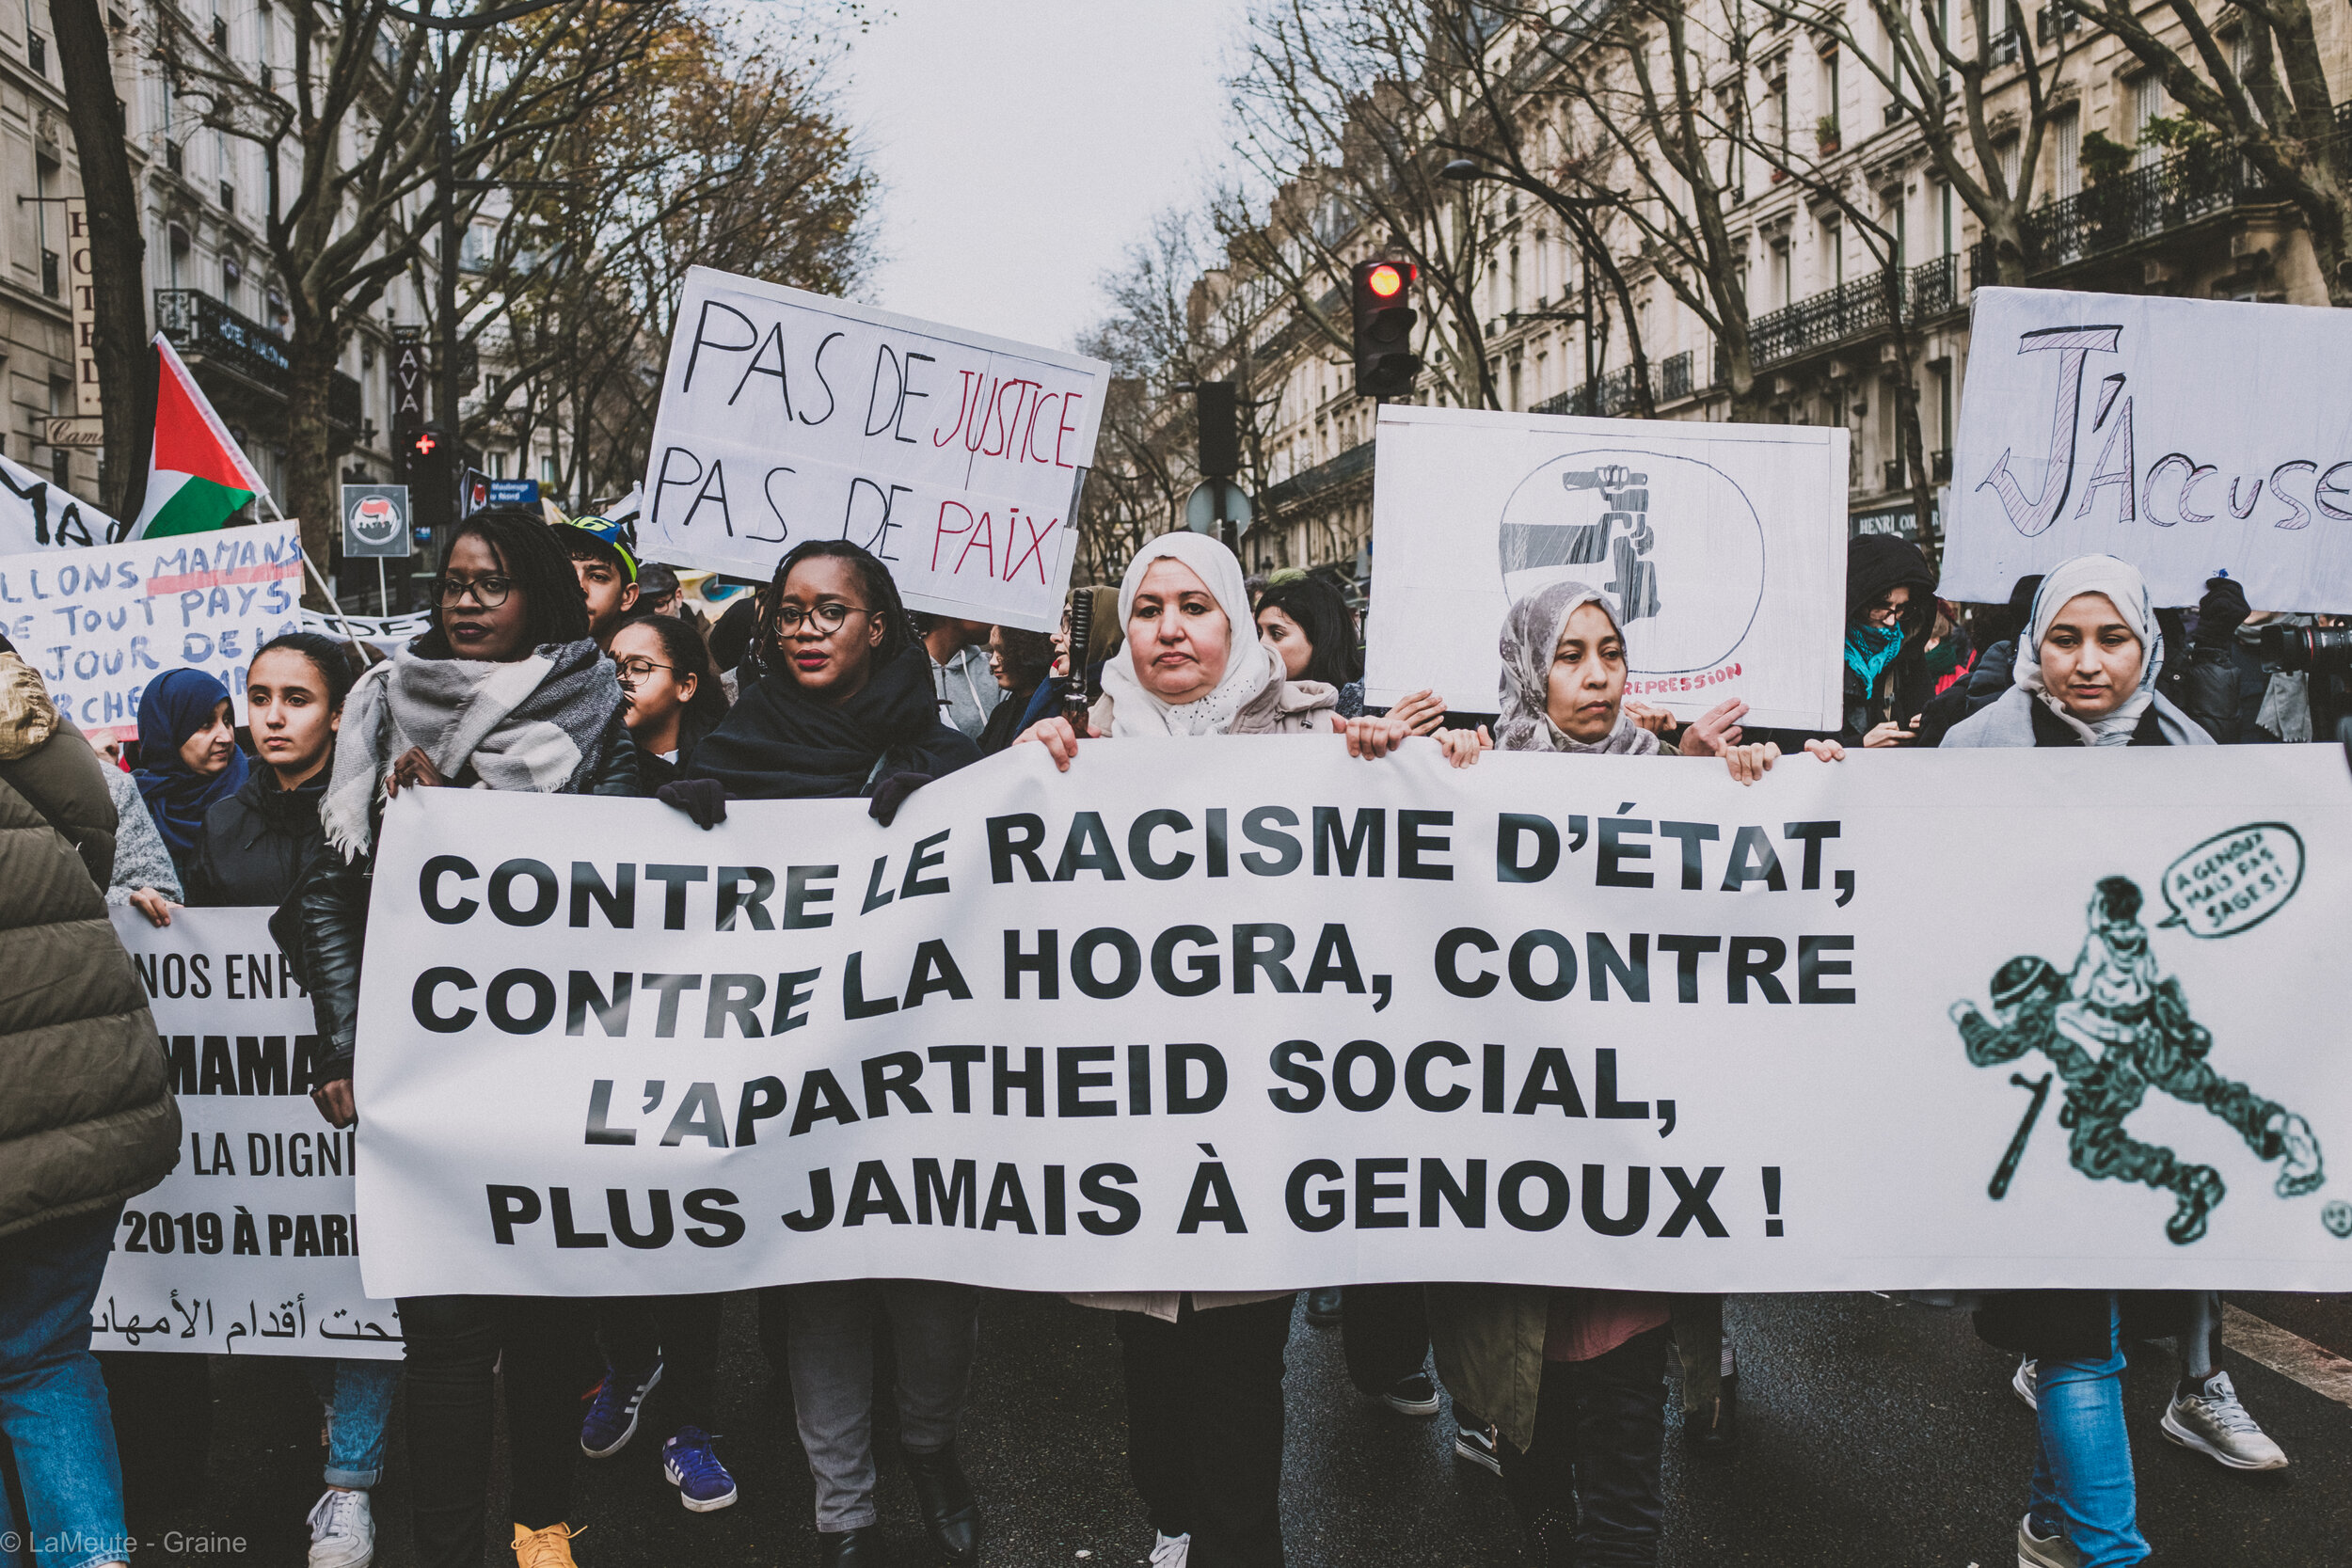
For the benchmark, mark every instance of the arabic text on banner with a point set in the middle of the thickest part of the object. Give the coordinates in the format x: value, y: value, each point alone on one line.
x: 250, y: 1246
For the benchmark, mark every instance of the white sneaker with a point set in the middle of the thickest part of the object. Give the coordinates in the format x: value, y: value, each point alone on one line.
x: 2212, y: 1422
x: 2023, y: 1386
x: 1170, y: 1551
x: 343, y: 1531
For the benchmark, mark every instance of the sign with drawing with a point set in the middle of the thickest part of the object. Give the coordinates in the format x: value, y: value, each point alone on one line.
x: 1722, y: 547
x: 2188, y: 436
x: 954, y: 456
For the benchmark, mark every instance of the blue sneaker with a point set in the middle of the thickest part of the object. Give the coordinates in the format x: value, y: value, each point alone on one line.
x: 612, y: 1409
x: 693, y: 1465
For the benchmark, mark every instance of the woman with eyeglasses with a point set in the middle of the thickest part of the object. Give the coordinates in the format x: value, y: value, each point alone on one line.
x: 1890, y: 611
x: 504, y: 691
x: 837, y: 703
x: 672, y: 694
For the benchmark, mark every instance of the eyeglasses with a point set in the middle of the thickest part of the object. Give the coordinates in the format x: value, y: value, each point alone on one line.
x: 635, y: 670
x: 828, y: 617
x: 1890, y: 611
x: 489, y: 592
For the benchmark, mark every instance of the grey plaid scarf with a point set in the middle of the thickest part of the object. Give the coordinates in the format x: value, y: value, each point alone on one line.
x: 534, y: 723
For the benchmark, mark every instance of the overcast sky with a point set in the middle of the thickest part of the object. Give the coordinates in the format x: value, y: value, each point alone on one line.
x: 1023, y: 144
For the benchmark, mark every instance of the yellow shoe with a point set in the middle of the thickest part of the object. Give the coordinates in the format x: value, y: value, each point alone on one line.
x: 550, y: 1547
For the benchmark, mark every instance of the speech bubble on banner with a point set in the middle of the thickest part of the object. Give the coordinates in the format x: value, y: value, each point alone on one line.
x: 2234, y: 881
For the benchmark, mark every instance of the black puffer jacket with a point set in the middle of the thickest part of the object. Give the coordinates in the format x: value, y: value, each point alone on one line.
x: 257, y: 841
x: 323, y: 926
x: 86, y: 1116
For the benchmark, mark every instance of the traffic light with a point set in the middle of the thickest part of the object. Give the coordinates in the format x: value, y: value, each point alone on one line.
x: 1215, y: 405
x: 1383, y: 304
x: 431, y: 475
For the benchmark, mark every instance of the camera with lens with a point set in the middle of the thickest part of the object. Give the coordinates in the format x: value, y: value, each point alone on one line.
x: 2324, y: 649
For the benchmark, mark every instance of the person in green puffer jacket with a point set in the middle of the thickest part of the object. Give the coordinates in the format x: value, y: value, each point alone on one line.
x: 86, y: 1116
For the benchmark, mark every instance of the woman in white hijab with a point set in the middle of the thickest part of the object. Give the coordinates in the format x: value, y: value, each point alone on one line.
x: 1194, y: 665
x: 1205, y: 1369
x: 2085, y: 669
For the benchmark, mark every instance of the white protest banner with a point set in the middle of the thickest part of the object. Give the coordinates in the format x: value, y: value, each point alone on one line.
x: 2188, y: 436
x: 100, y: 623
x: 250, y: 1246
x: 388, y: 633
x: 35, y: 514
x: 954, y: 456
x: 1723, y: 546
x: 1234, y: 1014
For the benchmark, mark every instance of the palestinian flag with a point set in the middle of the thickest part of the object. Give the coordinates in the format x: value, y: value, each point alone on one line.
x: 196, y: 478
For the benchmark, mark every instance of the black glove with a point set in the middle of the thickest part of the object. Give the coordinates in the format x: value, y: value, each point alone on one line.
x: 893, y: 794
x: 2222, y: 611
x: 704, y: 800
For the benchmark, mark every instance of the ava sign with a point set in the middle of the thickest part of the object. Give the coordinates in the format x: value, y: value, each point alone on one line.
x: 955, y: 457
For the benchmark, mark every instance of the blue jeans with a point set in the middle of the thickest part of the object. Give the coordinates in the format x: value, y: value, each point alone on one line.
x: 359, y: 1399
x: 54, y: 1422
x: 2082, y: 1462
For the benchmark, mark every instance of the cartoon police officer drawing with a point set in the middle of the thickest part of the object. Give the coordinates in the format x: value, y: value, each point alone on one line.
x: 2112, y: 1028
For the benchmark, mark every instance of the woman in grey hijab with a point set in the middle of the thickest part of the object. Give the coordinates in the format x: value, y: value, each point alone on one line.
x: 1564, y: 691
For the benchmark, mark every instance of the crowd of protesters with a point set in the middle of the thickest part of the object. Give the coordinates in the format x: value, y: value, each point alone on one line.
x: 557, y: 663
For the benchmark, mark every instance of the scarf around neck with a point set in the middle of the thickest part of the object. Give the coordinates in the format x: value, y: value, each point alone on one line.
x: 1531, y: 638
x: 1250, y: 669
x: 536, y: 723
x: 171, y: 709
x: 778, y: 743
x: 1869, y: 650
x: 2127, y: 591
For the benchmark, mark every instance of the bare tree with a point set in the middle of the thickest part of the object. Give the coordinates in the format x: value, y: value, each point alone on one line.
x: 1948, y: 97
x: 725, y: 154
x: 2272, y: 107
x: 1163, y: 332
x: 352, y: 131
x: 1341, y: 126
x: 126, y: 380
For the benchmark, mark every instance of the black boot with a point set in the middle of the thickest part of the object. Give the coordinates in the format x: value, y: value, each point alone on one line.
x: 944, y: 1498
x: 854, y: 1549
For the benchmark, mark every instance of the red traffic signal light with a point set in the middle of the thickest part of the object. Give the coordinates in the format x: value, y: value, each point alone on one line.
x: 426, y: 443
x: 1385, y: 362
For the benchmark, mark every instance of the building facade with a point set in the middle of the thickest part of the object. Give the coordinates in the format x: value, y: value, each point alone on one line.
x: 1858, y: 261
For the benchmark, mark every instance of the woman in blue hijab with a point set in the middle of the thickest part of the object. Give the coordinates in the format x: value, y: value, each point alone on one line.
x: 188, y: 757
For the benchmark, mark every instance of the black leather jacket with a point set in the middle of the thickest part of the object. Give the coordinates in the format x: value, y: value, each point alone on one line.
x: 328, y: 911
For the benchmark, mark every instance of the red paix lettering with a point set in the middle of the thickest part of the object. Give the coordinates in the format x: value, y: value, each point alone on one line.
x: 978, y: 532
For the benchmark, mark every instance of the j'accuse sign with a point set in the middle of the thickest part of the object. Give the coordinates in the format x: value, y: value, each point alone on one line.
x: 251, y: 1246
x: 953, y: 456
x: 1242, y: 1014
x: 2188, y: 436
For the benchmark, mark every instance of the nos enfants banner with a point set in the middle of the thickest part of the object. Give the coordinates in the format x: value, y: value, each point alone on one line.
x: 251, y: 1246
x: 1723, y: 546
x: 99, y: 623
x: 955, y: 456
x: 2188, y: 436
x: 1237, y: 1014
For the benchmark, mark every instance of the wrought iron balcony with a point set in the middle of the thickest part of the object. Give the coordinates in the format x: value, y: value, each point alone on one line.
x: 210, y: 335
x: 2185, y: 189
x: 1860, y: 308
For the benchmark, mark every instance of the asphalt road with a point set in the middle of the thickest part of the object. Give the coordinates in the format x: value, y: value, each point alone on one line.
x: 1876, y: 1435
